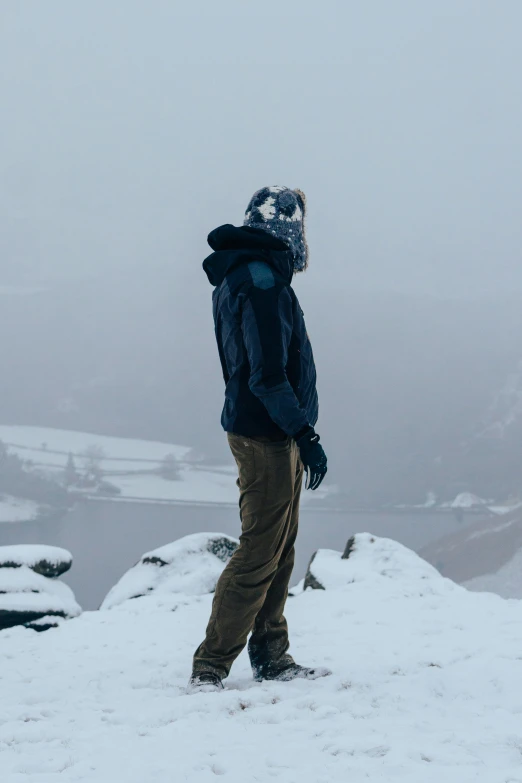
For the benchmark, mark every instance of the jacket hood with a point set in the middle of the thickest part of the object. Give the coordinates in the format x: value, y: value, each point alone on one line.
x: 240, y: 245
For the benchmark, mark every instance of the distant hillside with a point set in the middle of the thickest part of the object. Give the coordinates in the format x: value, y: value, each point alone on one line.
x: 484, y: 556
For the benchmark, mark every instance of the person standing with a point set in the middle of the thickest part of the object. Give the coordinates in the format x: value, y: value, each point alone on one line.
x: 270, y: 411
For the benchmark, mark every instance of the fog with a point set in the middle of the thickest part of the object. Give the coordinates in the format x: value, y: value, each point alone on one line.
x: 131, y: 129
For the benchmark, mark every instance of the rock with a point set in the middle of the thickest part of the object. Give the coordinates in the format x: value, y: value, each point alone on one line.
x: 50, y: 561
x: 223, y: 547
x: 188, y: 567
x: 26, y: 597
x: 27, y: 619
x: 349, y: 548
x: 311, y: 581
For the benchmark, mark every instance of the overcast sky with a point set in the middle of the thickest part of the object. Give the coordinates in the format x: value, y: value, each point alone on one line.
x: 130, y: 128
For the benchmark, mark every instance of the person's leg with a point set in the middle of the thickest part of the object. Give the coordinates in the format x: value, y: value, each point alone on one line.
x: 269, y: 642
x: 267, y: 475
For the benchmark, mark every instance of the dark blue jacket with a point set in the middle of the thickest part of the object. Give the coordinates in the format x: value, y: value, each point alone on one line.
x: 265, y: 353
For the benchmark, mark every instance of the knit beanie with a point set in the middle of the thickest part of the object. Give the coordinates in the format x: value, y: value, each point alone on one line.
x: 281, y: 212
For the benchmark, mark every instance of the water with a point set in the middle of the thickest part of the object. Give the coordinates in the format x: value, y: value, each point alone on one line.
x: 106, y: 538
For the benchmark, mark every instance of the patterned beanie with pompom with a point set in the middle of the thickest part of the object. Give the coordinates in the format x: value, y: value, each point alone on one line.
x: 281, y: 212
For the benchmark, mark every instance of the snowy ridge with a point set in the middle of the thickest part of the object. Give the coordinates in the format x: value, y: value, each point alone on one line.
x: 427, y: 687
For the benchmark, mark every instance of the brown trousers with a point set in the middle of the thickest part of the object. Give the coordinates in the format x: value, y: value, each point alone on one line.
x: 252, y: 590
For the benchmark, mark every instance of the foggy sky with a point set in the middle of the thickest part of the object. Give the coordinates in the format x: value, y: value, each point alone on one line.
x: 130, y: 129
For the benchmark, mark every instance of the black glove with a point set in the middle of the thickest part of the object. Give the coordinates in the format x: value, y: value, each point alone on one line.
x: 312, y: 457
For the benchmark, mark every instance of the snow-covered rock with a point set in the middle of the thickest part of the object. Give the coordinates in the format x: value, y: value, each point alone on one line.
x: 426, y: 687
x: 366, y: 558
x: 29, y: 589
x: 190, y: 566
x: 48, y: 561
x: 26, y: 596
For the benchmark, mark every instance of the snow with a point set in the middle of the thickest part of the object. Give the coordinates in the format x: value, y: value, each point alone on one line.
x: 467, y: 500
x: 427, y: 686
x: 17, y: 510
x: 189, y: 566
x: 31, y: 555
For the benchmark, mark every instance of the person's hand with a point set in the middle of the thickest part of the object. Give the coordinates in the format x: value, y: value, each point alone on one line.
x: 313, y: 458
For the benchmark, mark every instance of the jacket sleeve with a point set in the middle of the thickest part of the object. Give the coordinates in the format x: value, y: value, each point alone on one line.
x: 267, y: 325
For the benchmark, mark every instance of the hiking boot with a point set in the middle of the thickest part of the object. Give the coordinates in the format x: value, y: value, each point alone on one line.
x: 291, y: 671
x: 205, y: 682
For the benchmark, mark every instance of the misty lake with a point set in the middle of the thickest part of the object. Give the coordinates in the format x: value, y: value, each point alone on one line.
x: 106, y: 538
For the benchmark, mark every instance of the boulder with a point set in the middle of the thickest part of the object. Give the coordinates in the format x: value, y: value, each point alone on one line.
x: 50, y: 561
x: 26, y: 597
x: 188, y: 567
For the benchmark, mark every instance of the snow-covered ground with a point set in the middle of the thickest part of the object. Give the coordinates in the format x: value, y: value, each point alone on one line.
x: 427, y: 687
x: 47, y: 447
x: 39, y: 443
x: 17, y: 509
x: 194, y: 485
